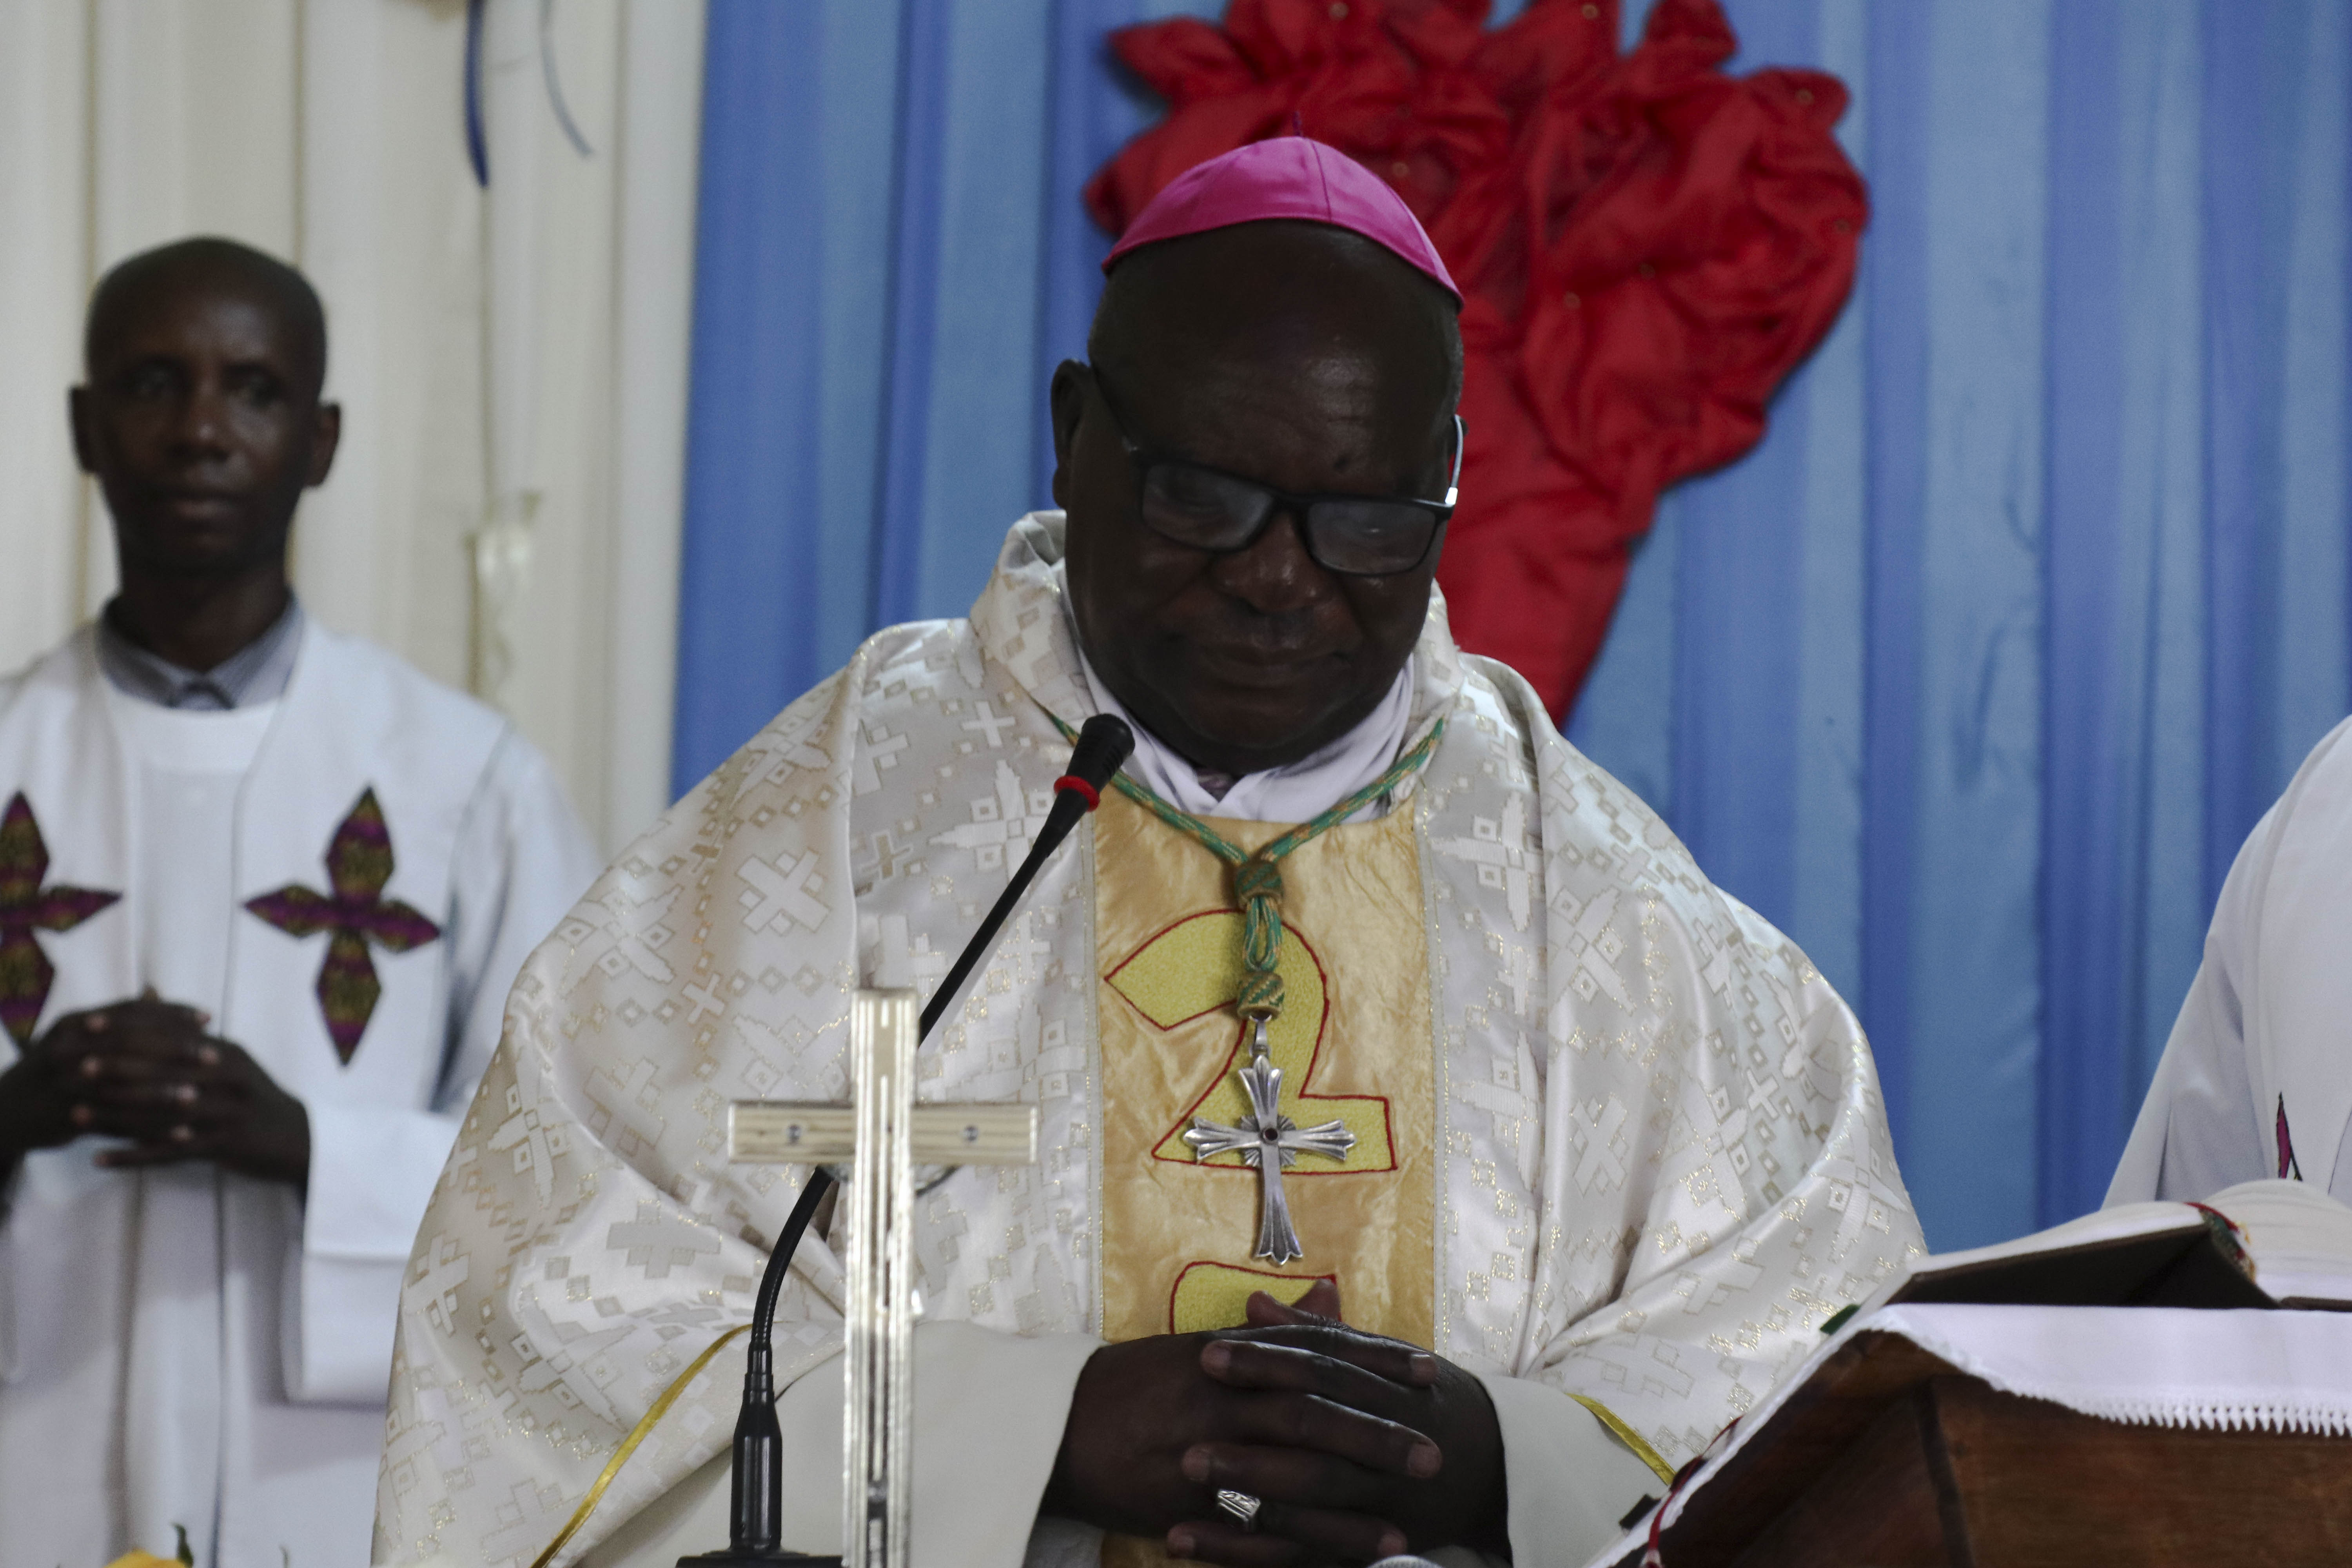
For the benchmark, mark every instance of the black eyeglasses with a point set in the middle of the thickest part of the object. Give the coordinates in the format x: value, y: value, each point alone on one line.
x: 1206, y: 508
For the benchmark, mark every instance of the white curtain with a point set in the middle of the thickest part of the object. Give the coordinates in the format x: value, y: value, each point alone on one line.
x: 512, y: 362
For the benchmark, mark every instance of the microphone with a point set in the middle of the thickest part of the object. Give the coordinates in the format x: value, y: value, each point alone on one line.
x: 1103, y: 744
x: 756, y: 1490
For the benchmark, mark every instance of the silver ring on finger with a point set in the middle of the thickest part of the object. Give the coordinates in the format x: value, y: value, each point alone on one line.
x: 1241, y: 1506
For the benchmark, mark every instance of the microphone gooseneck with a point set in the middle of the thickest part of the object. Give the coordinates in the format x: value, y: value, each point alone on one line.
x: 757, y: 1487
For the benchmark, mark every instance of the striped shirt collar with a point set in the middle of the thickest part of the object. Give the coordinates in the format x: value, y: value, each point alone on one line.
x: 257, y: 672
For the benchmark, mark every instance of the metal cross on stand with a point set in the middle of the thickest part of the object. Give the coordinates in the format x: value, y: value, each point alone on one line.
x: 884, y: 1136
x: 1270, y: 1141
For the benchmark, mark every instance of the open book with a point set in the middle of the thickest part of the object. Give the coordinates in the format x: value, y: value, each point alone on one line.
x: 2261, y: 1243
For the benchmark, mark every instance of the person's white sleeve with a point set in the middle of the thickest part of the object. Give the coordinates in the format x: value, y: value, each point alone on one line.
x: 988, y: 1413
x: 2198, y: 1129
x: 10, y: 1272
x: 371, y: 1173
x: 521, y: 863
x: 1571, y: 1478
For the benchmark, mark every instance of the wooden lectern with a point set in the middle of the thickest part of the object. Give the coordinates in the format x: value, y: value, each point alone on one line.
x: 1892, y: 1457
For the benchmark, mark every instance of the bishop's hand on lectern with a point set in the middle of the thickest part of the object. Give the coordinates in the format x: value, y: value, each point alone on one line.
x: 1361, y: 982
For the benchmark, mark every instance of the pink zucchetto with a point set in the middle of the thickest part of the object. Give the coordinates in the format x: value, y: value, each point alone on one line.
x: 1285, y: 177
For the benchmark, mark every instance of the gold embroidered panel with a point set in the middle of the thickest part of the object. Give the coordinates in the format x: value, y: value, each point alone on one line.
x: 1354, y: 1045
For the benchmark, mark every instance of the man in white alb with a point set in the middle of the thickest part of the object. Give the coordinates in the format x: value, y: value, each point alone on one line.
x: 2256, y: 1080
x: 262, y: 891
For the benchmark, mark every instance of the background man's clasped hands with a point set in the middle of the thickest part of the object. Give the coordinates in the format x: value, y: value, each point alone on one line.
x: 148, y: 1072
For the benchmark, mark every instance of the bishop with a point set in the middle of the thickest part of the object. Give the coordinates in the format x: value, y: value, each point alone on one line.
x: 1594, y: 1149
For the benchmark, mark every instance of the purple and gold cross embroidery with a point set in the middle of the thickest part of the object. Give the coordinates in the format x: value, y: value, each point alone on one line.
x: 359, y: 865
x: 27, y: 907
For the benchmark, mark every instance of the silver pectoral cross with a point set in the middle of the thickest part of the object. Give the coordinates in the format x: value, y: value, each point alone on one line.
x: 1271, y: 1141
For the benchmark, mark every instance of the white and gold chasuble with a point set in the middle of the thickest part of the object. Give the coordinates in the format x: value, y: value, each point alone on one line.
x: 1618, y: 1141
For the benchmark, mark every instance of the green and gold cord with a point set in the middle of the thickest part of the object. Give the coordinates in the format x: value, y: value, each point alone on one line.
x: 1258, y: 878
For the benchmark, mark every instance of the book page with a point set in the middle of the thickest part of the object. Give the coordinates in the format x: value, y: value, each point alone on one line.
x: 2300, y: 1236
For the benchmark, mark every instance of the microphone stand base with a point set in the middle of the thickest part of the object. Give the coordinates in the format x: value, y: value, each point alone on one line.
x: 727, y: 1557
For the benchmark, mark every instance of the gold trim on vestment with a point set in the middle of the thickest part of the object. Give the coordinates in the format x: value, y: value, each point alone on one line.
x: 637, y: 1434
x: 1627, y: 1435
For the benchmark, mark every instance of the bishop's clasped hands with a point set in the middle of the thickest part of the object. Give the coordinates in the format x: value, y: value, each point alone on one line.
x: 1317, y: 1441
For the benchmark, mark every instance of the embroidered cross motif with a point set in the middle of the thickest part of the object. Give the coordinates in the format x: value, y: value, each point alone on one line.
x: 1271, y: 1142
x: 359, y: 865
x: 25, y: 907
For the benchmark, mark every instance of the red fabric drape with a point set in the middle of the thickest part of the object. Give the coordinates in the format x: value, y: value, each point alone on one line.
x: 1647, y: 247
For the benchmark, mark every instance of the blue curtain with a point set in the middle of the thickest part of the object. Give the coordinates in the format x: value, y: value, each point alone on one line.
x: 1977, y: 672
x: 891, y: 259
x: 1973, y: 677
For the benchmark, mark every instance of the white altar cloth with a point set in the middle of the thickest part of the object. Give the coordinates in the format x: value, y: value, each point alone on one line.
x: 2166, y: 1366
